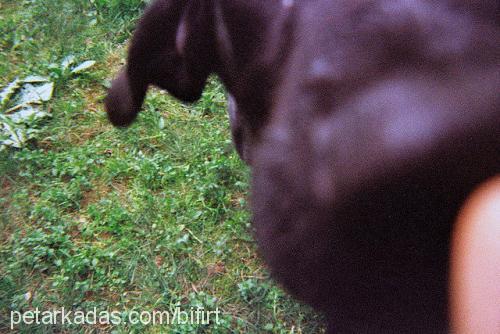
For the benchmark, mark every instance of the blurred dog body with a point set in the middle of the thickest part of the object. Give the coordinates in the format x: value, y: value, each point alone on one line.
x: 366, y: 124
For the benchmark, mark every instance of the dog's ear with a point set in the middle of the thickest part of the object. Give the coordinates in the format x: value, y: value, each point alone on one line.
x: 172, y: 48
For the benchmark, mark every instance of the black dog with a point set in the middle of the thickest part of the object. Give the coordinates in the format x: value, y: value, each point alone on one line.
x: 366, y: 124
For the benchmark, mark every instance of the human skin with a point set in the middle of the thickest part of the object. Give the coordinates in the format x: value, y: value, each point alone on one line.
x: 475, y: 263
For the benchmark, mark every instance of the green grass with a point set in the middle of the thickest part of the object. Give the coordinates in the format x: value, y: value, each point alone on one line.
x: 144, y: 218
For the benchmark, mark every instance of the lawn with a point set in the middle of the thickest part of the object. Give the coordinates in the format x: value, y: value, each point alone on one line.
x: 152, y: 217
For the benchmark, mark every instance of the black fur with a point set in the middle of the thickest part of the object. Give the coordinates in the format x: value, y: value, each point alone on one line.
x: 366, y: 124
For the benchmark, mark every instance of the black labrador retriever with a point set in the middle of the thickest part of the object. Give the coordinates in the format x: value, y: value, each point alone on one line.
x: 366, y: 124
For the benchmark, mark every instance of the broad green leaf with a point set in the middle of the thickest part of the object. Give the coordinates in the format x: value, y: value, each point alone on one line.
x: 36, y: 94
x: 28, y: 114
x: 68, y: 61
x: 35, y: 79
x: 83, y: 66
x: 15, y: 136
x: 8, y: 91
